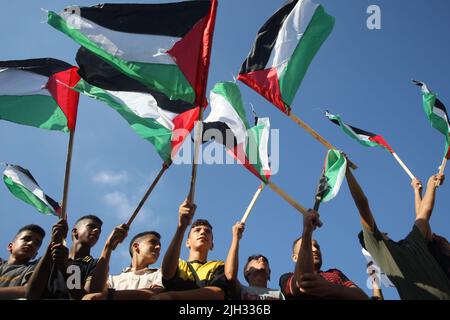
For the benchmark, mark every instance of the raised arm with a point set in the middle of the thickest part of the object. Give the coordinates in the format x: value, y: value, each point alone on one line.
x: 100, y: 275
x: 426, y: 208
x: 232, y: 262
x: 361, y: 202
x: 56, y: 250
x: 305, y: 261
x: 417, y: 187
x: 170, y: 261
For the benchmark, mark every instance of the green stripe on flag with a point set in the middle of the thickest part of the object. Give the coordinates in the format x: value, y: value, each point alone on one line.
x: 335, y: 168
x: 25, y: 195
x: 316, y: 33
x: 146, y: 128
x: 252, y: 149
x: 39, y: 111
x: 437, y: 122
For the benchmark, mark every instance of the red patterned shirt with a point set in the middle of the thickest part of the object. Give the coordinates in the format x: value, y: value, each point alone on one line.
x: 334, y: 276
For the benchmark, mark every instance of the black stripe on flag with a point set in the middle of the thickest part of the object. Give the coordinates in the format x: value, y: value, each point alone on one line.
x: 99, y: 73
x: 439, y: 105
x: 43, y: 66
x: 167, y: 19
x: 362, y: 132
x: 224, y: 130
x: 55, y: 205
x: 265, y: 39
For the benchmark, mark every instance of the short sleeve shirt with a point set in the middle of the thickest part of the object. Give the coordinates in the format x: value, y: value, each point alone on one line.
x: 210, y: 273
x: 131, y: 280
x: 409, y: 264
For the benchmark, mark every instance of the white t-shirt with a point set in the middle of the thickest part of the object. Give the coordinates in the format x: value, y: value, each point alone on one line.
x: 259, y: 293
x: 131, y: 280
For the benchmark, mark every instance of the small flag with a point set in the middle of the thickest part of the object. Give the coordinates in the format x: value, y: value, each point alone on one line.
x: 246, y: 144
x: 365, y: 138
x: 22, y: 185
x: 36, y: 92
x: 333, y: 174
x: 283, y: 50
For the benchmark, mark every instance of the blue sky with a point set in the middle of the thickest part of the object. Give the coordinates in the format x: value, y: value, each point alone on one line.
x: 363, y: 75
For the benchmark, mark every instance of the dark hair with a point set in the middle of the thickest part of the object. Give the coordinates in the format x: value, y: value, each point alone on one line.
x: 255, y: 257
x: 33, y: 228
x: 295, y: 242
x: 141, y: 235
x: 201, y: 222
x: 361, y: 239
x: 91, y: 217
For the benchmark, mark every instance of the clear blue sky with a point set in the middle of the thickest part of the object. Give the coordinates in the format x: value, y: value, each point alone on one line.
x: 361, y: 74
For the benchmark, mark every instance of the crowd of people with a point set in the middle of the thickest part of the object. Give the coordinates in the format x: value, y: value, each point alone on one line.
x: 418, y: 265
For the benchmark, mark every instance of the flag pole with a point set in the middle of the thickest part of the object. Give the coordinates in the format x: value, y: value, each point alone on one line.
x: 287, y: 198
x: 208, y: 32
x: 252, y: 203
x: 441, y: 170
x: 67, y: 175
x: 147, y: 194
x: 317, y: 136
x: 403, y: 166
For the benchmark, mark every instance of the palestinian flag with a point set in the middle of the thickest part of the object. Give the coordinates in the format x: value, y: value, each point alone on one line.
x: 163, y: 122
x: 36, y: 92
x: 164, y: 46
x: 284, y: 47
x: 436, y: 113
x: 365, y: 138
x: 231, y: 128
x: 23, y: 186
x: 333, y: 174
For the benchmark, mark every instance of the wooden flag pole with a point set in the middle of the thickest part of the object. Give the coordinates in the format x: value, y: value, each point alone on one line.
x: 286, y: 197
x: 317, y: 136
x: 198, y: 137
x: 403, y: 166
x: 252, y: 203
x: 147, y: 194
x: 67, y: 176
x: 441, y: 170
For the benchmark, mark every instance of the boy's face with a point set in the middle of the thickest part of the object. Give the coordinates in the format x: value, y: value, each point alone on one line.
x: 200, y: 237
x: 257, y: 265
x: 87, y: 231
x: 25, y: 246
x: 148, y: 247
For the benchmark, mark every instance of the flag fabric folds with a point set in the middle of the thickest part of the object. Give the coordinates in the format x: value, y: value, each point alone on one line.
x: 22, y: 185
x: 365, y: 138
x: 436, y: 113
x: 334, y: 173
x: 164, y: 46
x: 163, y: 122
x: 284, y: 47
x: 227, y: 117
x: 36, y: 92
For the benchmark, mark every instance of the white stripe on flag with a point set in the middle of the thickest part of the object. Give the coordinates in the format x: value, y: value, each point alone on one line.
x: 23, y: 180
x: 440, y: 113
x: 223, y: 111
x: 291, y: 34
x: 144, y: 105
x: 264, y: 143
x: 126, y: 46
x: 15, y: 82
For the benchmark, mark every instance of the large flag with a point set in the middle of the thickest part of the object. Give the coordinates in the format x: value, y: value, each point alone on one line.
x: 163, y: 122
x: 436, y: 113
x: 23, y: 186
x: 333, y: 174
x: 284, y: 47
x: 164, y: 46
x: 36, y: 92
x: 246, y: 144
x: 365, y: 138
